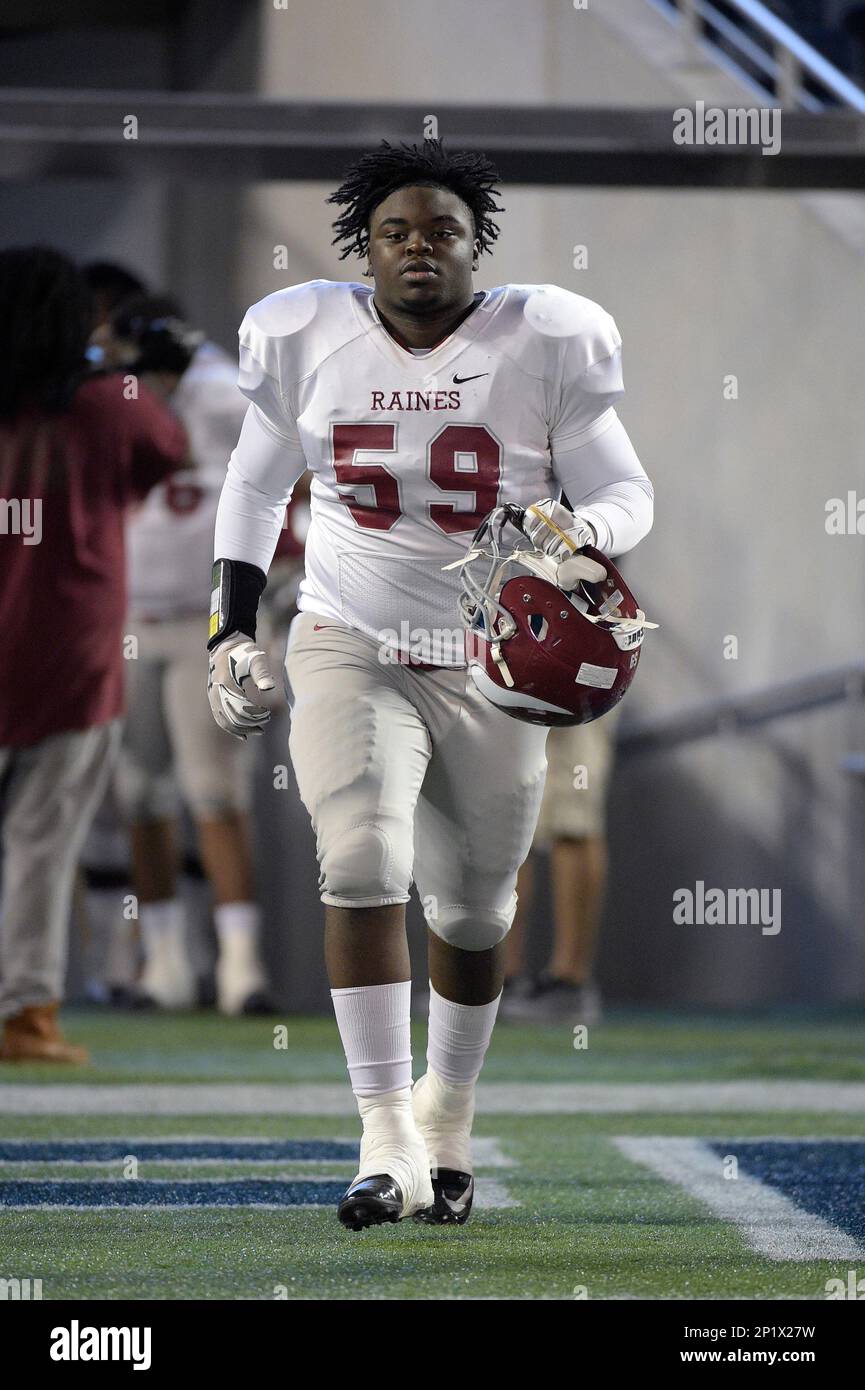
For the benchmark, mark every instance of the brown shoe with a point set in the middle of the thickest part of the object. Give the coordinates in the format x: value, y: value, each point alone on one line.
x: 33, y: 1036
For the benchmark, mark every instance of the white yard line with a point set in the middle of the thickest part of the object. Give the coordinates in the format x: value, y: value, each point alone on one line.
x: 771, y: 1223
x: 494, y: 1098
x: 491, y: 1193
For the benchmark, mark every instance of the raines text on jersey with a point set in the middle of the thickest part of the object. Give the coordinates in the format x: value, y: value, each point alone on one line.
x: 414, y: 400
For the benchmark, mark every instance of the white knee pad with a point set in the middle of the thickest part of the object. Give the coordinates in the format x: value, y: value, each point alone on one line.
x: 468, y: 927
x: 367, y: 865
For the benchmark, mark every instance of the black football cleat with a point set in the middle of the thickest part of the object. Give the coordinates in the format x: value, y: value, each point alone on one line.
x: 370, y: 1202
x: 259, y: 1005
x: 453, y: 1193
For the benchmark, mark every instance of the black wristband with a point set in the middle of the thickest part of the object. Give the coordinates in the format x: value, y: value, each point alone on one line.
x: 236, y: 588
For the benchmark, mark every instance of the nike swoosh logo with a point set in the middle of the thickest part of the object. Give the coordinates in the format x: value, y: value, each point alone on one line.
x: 460, y: 380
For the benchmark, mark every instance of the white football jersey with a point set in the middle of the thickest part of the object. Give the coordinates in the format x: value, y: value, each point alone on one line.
x: 169, y: 537
x: 410, y: 451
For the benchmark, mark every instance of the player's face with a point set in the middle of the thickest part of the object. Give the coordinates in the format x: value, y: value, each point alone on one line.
x: 422, y: 251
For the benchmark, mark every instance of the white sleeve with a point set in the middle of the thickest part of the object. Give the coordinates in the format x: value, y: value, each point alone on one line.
x: 262, y: 473
x: 593, y: 459
x: 262, y: 361
x: 604, y: 481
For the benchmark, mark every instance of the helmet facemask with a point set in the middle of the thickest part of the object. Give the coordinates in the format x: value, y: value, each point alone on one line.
x: 499, y: 626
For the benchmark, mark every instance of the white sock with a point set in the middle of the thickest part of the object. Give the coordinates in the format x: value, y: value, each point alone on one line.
x: 236, y: 922
x: 374, y: 1023
x: 120, y: 958
x: 459, y: 1035
x: 239, y: 970
x: 161, y: 923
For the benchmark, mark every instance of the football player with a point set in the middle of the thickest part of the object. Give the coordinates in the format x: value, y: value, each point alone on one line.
x: 171, y: 750
x: 419, y: 404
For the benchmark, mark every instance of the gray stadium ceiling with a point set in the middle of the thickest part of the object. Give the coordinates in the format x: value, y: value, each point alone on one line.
x: 62, y: 134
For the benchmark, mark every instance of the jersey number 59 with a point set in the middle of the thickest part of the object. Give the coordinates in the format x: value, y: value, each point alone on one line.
x: 461, y: 458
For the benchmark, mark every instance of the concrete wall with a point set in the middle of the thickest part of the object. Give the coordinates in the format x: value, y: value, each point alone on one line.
x: 177, y: 233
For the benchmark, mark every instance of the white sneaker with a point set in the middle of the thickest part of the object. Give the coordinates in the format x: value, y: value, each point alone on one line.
x: 167, y: 978
x: 393, y: 1180
x: 240, y: 976
x: 444, y: 1114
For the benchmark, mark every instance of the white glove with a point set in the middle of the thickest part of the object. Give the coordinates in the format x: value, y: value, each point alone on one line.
x: 237, y: 666
x: 555, y: 530
x: 571, y: 571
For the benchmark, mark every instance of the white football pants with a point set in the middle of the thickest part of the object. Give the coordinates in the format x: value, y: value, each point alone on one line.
x: 410, y: 773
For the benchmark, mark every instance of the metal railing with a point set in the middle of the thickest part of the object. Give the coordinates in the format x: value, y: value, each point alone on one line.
x: 762, y: 50
x: 739, y: 713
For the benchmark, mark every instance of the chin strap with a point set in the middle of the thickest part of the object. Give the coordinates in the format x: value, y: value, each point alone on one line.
x: 496, y: 653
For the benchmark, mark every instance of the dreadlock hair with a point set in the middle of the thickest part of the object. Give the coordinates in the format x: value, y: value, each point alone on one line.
x: 380, y: 172
x: 45, y: 310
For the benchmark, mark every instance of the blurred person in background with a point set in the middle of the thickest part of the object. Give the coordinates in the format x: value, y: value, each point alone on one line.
x: 110, y: 284
x: 76, y: 448
x: 572, y: 827
x: 172, y: 749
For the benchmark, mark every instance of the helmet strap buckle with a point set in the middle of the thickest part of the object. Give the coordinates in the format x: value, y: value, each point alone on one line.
x: 496, y: 653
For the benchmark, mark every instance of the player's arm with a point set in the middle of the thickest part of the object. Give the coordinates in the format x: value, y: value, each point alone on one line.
x: 262, y: 472
x: 607, y: 486
x: 593, y: 460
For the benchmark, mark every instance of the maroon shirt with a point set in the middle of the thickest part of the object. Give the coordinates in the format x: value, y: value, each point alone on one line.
x: 63, y: 599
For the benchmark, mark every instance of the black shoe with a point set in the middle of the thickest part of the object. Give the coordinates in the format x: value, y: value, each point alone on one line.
x: 259, y: 1005
x: 370, y: 1202
x: 124, y: 997
x: 140, y: 1000
x: 552, y: 1000
x: 517, y: 987
x: 453, y: 1199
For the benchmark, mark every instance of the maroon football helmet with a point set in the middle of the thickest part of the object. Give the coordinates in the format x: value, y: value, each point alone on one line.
x: 538, y: 652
